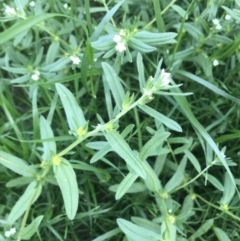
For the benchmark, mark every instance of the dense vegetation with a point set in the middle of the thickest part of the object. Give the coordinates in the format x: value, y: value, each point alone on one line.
x: 119, y: 120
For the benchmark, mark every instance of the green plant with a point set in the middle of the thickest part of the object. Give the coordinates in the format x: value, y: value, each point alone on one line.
x: 92, y: 121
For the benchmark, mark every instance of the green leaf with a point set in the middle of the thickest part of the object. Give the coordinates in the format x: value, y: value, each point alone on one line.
x: 67, y: 182
x: 136, y: 232
x: 229, y: 190
x: 104, y: 43
x: 177, y: 178
x: 221, y: 235
x: 208, y: 85
x: 140, y: 46
x: 30, y: 195
x: 214, y: 181
x: 187, y: 209
x: 84, y: 166
x: 114, y: 84
x: 49, y: 147
x: 20, y: 181
x: 74, y: 113
x: 107, y: 235
x: 142, y: 222
x: 180, y: 11
x: 202, y: 230
x: 200, y: 131
x: 153, y: 146
x: 140, y: 68
x: 16, y: 164
x: 171, y: 124
x: 152, y: 181
x: 24, y: 25
x: 101, y: 153
x: 125, y: 184
x: 121, y: 147
x: 193, y: 160
x: 52, y: 52
x: 31, y: 229
x: 106, y: 18
x: 155, y: 38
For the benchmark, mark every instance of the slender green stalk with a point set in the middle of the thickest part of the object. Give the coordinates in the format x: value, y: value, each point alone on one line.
x: 24, y: 221
x: 162, y: 12
x: 158, y: 14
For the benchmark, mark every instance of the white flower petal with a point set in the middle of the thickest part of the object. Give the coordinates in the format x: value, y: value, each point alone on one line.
x: 120, y: 47
x: 227, y: 17
x: 35, y: 77
x: 215, y: 62
x: 9, y: 11
x: 117, y: 38
x: 12, y: 231
x: 32, y: 4
x: 75, y: 60
x: 215, y: 21
x: 218, y: 27
x: 7, y: 234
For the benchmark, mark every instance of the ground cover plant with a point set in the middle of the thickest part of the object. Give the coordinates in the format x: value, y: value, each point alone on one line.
x: 119, y: 120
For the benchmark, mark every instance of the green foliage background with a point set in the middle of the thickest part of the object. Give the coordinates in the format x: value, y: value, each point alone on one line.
x: 188, y: 141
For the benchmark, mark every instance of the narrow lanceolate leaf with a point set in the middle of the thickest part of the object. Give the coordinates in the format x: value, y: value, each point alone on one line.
x: 171, y: 124
x: 222, y: 236
x: 121, y: 147
x: 114, y: 84
x: 202, y: 230
x: 16, y: 164
x: 152, y: 181
x: 72, y: 109
x: 135, y: 232
x: 229, y: 190
x: 152, y: 147
x: 193, y: 160
x: 140, y: 46
x: 125, y: 184
x: 67, y: 182
x: 49, y: 147
x: 24, y: 25
x: 155, y: 38
x: 178, y: 176
x: 30, y: 195
x: 140, y: 68
x: 31, y: 229
x: 214, y: 181
x: 106, y: 18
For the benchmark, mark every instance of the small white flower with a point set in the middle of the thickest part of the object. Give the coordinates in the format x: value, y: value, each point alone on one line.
x: 122, y: 32
x: 215, y: 62
x: 170, y: 210
x: 227, y: 17
x: 166, y: 78
x: 65, y: 5
x: 215, y: 21
x: 12, y: 231
x: 32, y: 4
x: 7, y: 234
x: 120, y: 47
x: 223, y: 155
x: 35, y: 77
x: 99, y: 126
x: 117, y: 38
x: 10, y: 11
x: 75, y: 59
x: 218, y: 27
